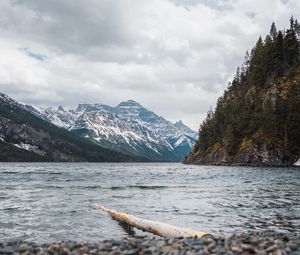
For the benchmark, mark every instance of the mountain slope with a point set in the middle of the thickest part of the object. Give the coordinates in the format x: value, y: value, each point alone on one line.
x: 129, y: 128
x: 25, y: 137
x: 257, y: 120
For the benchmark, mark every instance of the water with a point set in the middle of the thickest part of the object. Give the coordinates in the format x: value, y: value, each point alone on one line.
x: 47, y: 202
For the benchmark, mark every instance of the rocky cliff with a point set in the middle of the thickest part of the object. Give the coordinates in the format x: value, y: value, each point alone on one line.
x: 257, y: 120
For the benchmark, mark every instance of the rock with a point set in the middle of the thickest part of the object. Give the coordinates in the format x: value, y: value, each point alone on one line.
x: 24, y: 247
x: 261, y: 252
x: 295, y: 253
x: 248, y: 248
x: 272, y: 248
x: 131, y: 252
x: 6, y: 251
x: 65, y: 251
x: 165, y: 249
x: 83, y: 250
x: 54, y: 248
x: 236, y: 248
x: 26, y: 253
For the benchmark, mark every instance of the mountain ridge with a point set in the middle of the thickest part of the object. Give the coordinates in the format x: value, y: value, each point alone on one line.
x: 26, y: 137
x: 128, y: 127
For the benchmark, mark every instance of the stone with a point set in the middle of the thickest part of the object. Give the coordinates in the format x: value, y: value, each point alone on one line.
x: 54, y: 248
x: 6, y: 251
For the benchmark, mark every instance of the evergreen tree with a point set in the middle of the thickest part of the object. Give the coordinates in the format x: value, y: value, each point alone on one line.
x: 268, y: 57
x: 297, y: 28
x: 291, y: 46
x: 257, y: 64
x: 292, y: 23
x: 279, y: 54
x: 245, y: 66
x: 273, y: 32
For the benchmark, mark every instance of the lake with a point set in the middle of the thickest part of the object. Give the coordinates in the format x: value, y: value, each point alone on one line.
x: 45, y: 202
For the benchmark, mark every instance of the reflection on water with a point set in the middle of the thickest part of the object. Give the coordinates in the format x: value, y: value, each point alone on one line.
x: 50, y: 202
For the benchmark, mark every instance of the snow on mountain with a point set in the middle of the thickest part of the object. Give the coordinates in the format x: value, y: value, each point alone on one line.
x: 185, y: 129
x: 6, y: 99
x: 128, y: 127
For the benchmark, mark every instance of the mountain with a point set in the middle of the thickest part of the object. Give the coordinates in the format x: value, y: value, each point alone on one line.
x: 128, y: 128
x: 26, y: 137
x: 257, y: 120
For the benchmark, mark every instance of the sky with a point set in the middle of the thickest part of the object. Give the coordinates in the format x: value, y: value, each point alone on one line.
x: 175, y: 57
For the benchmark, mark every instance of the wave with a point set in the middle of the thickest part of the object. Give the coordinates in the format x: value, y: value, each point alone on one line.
x: 142, y: 187
x: 151, y: 187
x: 146, y: 187
x: 32, y: 172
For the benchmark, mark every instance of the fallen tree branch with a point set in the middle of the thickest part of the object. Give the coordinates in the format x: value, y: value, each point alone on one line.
x: 154, y: 227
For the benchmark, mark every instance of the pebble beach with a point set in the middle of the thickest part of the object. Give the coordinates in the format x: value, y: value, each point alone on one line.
x: 263, y: 243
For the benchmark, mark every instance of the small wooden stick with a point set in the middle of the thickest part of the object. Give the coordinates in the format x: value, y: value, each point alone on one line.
x: 154, y: 227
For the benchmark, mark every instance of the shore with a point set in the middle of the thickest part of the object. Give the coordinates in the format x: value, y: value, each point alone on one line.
x: 266, y: 243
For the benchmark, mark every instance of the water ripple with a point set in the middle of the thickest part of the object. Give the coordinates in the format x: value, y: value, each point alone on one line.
x: 49, y: 202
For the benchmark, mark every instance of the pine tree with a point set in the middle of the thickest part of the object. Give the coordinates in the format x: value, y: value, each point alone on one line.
x: 273, y: 32
x: 279, y: 54
x: 269, y: 57
x: 246, y: 64
x: 291, y: 46
x: 297, y: 28
x: 256, y: 63
x: 292, y: 23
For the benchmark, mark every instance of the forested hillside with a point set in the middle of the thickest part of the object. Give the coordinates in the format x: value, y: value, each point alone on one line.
x: 257, y: 120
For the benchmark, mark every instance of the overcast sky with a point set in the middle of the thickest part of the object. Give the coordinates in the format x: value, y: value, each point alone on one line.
x: 174, y: 57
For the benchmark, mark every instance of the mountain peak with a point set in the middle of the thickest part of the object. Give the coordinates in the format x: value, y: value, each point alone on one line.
x: 130, y: 103
x: 5, y: 98
x: 60, y: 108
x: 178, y: 123
x: 81, y: 107
x: 185, y: 129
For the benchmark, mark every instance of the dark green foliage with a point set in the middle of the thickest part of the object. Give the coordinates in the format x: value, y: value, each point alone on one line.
x: 10, y: 153
x: 279, y: 54
x: 263, y: 98
x: 291, y: 48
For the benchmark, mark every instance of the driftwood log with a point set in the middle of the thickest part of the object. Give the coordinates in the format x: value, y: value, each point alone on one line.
x: 154, y: 227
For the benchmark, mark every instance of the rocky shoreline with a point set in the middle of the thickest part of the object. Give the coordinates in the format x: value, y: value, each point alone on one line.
x: 266, y: 243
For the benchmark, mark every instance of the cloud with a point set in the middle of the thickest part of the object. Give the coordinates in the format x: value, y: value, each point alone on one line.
x: 175, y: 57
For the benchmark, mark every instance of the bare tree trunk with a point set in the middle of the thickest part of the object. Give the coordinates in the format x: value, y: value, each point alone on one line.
x: 154, y: 227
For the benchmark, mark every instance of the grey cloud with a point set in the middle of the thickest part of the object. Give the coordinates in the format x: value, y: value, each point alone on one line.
x: 75, y: 25
x: 175, y: 57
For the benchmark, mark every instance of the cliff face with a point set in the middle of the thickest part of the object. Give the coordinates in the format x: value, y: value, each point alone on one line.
x: 257, y: 120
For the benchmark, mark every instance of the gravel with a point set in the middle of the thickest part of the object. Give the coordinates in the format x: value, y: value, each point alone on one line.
x: 263, y: 243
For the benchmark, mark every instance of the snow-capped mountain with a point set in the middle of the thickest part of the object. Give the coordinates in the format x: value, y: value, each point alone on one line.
x: 26, y: 137
x: 129, y: 128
